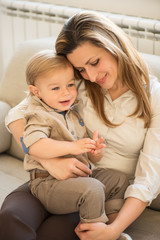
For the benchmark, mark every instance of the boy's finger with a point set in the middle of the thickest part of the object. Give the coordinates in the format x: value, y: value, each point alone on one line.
x: 95, y: 135
x: 100, y: 140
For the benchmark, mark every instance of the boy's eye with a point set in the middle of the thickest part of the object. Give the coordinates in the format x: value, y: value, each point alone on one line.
x: 95, y: 62
x: 71, y: 85
x: 55, y: 88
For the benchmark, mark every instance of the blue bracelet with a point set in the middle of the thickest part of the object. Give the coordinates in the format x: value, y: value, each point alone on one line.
x: 25, y: 149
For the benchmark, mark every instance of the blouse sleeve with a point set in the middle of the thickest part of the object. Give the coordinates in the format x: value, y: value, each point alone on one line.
x: 16, y: 113
x: 146, y: 185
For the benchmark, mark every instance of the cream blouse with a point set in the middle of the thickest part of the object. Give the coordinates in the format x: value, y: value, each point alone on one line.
x: 130, y: 147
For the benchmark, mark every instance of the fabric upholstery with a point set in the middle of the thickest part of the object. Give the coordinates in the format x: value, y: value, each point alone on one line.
x: 5, y: 135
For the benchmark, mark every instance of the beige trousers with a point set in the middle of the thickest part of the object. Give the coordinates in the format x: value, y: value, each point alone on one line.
x: 93, y: 197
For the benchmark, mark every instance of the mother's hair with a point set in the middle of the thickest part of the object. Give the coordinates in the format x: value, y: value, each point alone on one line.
x: 100, y: 31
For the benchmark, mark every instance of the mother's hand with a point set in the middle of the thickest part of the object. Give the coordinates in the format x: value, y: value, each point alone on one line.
x: 95, y: 231
x: 64, y: 168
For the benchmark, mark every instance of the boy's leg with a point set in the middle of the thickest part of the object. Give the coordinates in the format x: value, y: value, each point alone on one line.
x: 82, y: 194
x: 115, y: 183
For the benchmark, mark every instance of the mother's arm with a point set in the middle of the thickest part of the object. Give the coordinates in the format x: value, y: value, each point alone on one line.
x: 60, y: 168
x: 130, y: 211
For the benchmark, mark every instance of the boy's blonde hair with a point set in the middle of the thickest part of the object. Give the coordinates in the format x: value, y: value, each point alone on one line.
x: 43, y: 62
x: 98, y: 30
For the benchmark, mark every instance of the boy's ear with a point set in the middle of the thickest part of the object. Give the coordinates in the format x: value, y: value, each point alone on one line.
x: 34, y: 90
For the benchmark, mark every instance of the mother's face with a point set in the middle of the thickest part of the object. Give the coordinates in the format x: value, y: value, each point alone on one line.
x: 95, y: 64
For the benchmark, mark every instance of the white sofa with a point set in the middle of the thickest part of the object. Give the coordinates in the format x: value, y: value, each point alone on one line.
x: 12, y: 91
x: 12, y: 175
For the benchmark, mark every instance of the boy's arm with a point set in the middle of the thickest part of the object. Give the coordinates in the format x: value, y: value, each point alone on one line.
x: 37, y: 140
x: 50, y: 148
x: 60, y: 168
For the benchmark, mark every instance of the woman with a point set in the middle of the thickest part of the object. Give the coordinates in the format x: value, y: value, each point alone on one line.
x: 125, y: 105
x: 123, y: 97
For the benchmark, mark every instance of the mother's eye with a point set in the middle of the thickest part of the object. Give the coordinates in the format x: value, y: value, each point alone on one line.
x: 81, y: 70
x: 95, y: 62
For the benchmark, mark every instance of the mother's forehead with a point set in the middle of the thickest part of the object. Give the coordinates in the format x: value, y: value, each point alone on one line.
x: 83, y: 54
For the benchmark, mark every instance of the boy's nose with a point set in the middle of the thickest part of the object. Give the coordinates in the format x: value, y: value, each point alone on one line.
x: 65, y: 91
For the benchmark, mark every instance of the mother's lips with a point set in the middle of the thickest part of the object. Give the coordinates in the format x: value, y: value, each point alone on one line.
x: 101, y: 81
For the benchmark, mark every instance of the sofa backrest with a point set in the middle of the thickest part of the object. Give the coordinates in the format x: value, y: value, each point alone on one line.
x: 153, y: 62
x: 13, y: 84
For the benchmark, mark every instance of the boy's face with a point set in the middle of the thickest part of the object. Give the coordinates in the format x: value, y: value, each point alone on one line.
x: 57, y: 88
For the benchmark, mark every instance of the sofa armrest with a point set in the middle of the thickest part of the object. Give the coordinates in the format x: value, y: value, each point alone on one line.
x: 5, y: 135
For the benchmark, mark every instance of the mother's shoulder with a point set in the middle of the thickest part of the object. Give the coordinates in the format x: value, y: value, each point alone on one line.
x: 154, y: 84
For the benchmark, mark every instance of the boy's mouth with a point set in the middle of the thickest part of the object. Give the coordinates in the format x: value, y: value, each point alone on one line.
x: 66, y: 102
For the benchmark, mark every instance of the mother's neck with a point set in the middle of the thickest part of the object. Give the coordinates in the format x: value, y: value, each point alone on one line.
x: 117, y: 91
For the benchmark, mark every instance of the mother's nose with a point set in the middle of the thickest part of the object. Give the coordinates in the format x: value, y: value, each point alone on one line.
x: 91, y: 75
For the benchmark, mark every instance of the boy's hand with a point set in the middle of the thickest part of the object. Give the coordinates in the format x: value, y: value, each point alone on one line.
x: 94, y: 146
x: 99, y: 145
x: 82, y: 145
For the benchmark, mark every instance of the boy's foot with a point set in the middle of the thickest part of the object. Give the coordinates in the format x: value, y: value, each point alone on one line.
x: 124, y: 236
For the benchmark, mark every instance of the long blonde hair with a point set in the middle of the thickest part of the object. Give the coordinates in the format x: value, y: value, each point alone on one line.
x: 100, y: 31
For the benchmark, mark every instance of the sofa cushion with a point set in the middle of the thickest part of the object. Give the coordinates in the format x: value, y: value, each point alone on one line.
x: 5, y: 135
x: 146, y: 227
x: 12, y: 175
x: 15, y: 150
x: 155, y: 205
